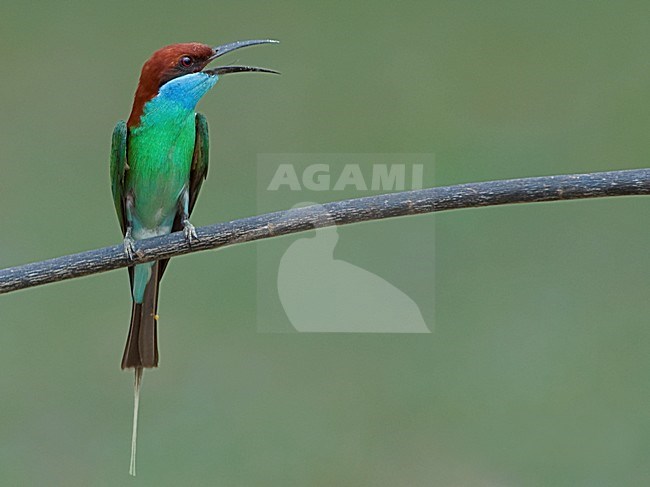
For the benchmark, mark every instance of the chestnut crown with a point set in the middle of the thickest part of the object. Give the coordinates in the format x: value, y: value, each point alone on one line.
x: 177, y: 60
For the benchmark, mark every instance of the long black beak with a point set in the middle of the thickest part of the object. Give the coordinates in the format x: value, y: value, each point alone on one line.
x: 226, y: 48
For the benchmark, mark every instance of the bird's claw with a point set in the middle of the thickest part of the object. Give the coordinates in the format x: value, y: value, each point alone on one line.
x: 189, y: 231
x: 128, y: 244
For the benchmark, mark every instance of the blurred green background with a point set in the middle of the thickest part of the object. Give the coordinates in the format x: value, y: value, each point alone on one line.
x: 537, y: 372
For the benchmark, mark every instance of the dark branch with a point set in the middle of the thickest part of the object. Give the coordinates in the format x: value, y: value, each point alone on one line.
x: 551, y: 188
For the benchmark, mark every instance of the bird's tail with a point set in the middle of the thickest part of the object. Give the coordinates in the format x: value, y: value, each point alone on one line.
x: 141, y: 348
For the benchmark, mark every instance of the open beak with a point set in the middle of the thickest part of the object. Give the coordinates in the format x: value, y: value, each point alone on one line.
x: 226, y: 48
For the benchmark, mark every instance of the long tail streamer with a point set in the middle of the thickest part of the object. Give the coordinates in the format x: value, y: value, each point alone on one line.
x: 136, y: 406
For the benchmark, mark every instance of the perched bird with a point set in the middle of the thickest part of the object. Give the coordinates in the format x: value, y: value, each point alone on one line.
x: 159, y: 159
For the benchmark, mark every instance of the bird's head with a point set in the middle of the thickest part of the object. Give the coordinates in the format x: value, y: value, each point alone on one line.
x: 180, y: 71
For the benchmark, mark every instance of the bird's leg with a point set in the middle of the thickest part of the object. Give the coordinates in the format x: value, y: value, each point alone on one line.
x: 128, y: 244
x: 128, y: 239
x: 188, y: 229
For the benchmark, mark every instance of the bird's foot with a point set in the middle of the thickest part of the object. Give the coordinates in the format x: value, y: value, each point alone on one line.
x: 128, y: 244
x: 189, y: 231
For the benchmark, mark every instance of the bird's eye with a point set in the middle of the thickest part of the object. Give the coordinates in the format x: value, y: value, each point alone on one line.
x: 186, y: 61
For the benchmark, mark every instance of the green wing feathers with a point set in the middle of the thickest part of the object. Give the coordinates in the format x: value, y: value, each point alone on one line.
x: 200, y: 159
x: 119, y: 167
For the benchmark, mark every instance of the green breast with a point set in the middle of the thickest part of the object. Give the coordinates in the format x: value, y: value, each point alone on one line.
x: 159, y: 156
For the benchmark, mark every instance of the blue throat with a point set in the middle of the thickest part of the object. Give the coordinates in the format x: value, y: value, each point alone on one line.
x: 187, y: 90
x: 175, y: 100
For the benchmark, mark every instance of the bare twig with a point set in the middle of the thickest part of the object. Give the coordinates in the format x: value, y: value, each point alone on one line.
x: 528, y: 190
